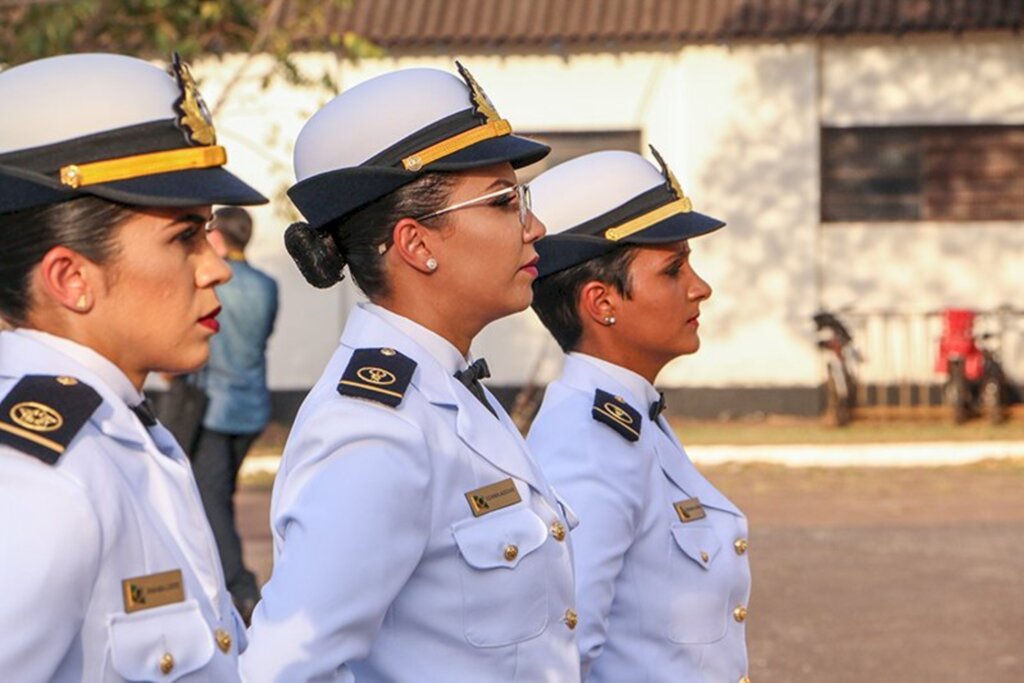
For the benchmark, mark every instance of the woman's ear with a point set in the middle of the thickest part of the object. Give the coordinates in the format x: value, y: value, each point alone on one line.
x: 598, y: 303
x: 412, y: 245
x: 63, y: 276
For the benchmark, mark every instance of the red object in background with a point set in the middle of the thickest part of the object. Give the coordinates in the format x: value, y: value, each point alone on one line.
x: 958, y: 342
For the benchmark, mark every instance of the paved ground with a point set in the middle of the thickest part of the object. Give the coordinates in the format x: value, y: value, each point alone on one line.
x: 863, y: 575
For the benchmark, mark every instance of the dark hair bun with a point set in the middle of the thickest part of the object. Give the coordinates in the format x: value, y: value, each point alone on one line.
x: 316, y: 255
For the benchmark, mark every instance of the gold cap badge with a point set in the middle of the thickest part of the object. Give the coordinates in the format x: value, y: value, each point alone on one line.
x: 194, y: 118
x: 481, y: 102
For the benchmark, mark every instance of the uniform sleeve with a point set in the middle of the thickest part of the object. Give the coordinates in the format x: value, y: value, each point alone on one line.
x: 50, y: 549
x: 353, y: 519
x: 598, y: 475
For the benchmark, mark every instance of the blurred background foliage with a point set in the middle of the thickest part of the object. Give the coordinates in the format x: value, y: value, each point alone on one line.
x: 153, y: 29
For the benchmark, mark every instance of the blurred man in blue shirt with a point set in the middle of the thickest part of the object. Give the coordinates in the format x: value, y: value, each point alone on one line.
x: 235, y: 379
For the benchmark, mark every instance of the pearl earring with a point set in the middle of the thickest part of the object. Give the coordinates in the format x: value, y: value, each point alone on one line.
x: 81, y: 302
x: 431, y: 264
x: 609, y: 320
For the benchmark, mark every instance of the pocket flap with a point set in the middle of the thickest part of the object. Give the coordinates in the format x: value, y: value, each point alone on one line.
x: 140, y: 642
x: 500, y: 539
x: 699, y: 543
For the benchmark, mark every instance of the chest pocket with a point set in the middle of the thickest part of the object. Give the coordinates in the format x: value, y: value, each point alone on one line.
x: 160, y: 644
x: 504, y: 586
x: 698, y: 604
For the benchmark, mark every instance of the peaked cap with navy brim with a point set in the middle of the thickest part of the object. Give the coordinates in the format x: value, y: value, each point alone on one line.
x: 601, y: 201
x: 110, y: 126
x: 388, y: 131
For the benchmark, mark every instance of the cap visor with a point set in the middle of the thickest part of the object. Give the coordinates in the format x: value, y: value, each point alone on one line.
x: 558, y: 252
x: 681, y: 226
x: 505, y: 149
x: 180, y: 188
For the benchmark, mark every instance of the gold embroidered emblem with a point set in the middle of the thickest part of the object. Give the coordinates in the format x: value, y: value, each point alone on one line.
x: 36, y: 417
x: 671, y: 182
x: 481, y: 102
x: 67, y: 381
x: 618, y: 413
x: 378, y: 376
x: 193, y: 115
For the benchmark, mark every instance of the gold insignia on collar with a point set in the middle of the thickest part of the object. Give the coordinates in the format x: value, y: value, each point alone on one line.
x: 36, y: 417
x: 481, y: 102
x: 618, y: 413
x: 378, y: 376
x: 670, y: 179
x: 194, y: 118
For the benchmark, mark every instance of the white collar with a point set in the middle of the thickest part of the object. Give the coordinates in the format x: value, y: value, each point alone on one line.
x: 643, y: 392
x: 449, y: 357
x: 110, y: 374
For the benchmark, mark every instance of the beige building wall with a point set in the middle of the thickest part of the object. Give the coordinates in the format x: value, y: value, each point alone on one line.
x: 740, y: 127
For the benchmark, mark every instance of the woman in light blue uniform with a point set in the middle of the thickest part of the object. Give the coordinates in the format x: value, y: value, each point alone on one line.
x: 108, y: 168
x: 415, y: 539
x: 662, y: 571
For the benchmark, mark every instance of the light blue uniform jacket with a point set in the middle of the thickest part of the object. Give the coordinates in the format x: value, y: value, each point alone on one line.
x: 651, y: 607
x: 381, y: 571
x: 113, y: 507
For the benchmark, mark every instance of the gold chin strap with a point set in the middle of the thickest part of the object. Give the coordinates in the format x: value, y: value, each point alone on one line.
x: 628, y: 228
x: 491, y: 129
x: 125, y: 168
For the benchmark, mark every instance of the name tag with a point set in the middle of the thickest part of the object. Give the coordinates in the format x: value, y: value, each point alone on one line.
x: 689, y: 510
x: 493, y: 497
x: 154, y: 590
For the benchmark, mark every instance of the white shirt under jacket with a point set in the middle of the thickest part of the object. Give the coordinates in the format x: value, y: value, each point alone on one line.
x: 117, y: 505
x: 657, y: 597
x: 382, y: 574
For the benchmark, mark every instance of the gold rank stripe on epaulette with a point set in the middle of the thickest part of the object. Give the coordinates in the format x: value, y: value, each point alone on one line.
x: 380, y: 375
x: 613, y: 411
x: 42, y: 414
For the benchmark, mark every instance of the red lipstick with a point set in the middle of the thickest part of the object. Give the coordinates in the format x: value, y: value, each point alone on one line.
x: 209, y: 320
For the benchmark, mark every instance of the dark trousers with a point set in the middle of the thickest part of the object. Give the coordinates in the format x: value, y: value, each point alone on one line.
x: 215, y: 463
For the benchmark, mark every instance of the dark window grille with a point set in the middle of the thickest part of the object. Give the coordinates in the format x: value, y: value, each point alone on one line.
x: 935, y: 173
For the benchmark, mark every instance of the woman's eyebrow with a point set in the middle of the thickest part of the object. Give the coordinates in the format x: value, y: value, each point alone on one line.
x: 196, y: 218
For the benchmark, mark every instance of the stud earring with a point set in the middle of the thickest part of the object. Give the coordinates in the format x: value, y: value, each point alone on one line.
x: 609, y: 320
x: 81, y: 302
x: 431, y: 264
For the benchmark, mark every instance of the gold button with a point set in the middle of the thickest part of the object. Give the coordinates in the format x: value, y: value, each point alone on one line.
x: 166, y: 663
x: 741, y: 547
x: 67, y: 381
x: 744, y: 679
x: 558, y: 531
x: 387, y: 351
x: 704, y: 556
x: 223, y: 639
x: 740, y: 614
x: 511, y: 552
x: 571, y: 619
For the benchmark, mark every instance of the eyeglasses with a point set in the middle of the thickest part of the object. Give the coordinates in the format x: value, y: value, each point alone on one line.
x: 520, y: 192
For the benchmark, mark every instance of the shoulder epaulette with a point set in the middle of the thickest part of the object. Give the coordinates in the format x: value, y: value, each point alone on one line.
x: 42, y: 414
x: 380, y: 375
x: 617, y: 414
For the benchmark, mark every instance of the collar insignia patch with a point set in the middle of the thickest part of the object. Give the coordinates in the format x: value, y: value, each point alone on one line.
x: 42, y: 414
x: 613, y: 411
x: 481, y: 102
x: 194, y: 118
x: 380, y: 375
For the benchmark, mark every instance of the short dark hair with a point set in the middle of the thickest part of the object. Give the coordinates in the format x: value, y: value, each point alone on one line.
x: 354, y: 240
x: 556, y: 297
x: 87, y: 225
x: 234, y: 224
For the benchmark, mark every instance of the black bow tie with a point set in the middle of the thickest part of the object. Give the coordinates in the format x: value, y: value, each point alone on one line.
x: 657, y: 407
x: 471, y: 377
x: 144, y: 411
